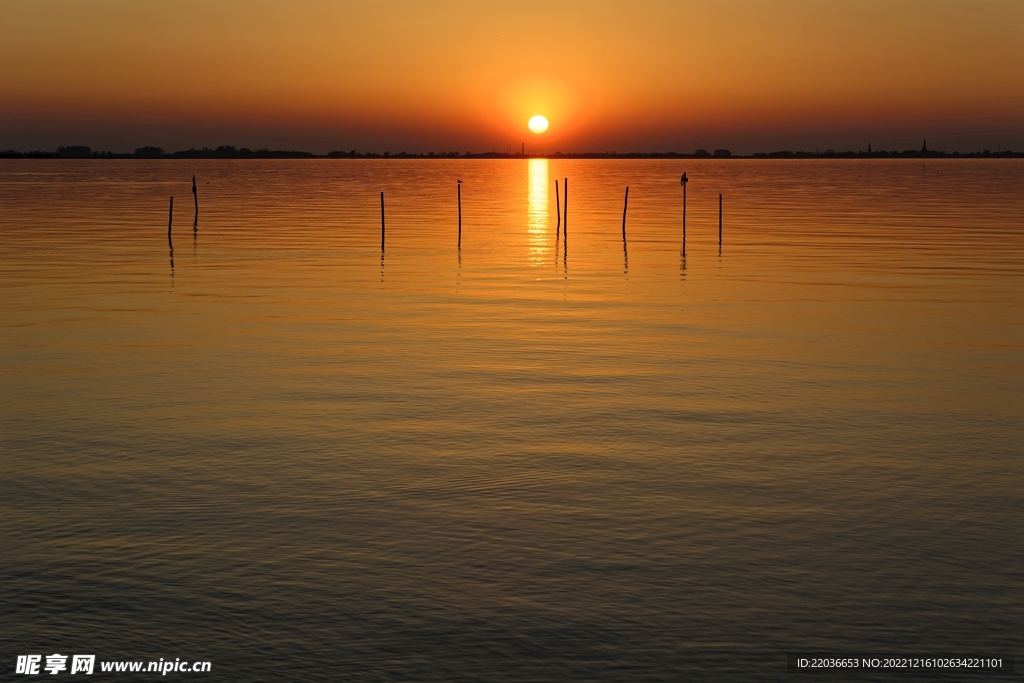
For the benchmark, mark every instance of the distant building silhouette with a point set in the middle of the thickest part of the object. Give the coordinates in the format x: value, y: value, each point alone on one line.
x: 74, y: 152
x: 149, y: 153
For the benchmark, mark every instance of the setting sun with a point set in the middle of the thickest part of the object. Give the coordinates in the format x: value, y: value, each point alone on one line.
x: 746, y: 416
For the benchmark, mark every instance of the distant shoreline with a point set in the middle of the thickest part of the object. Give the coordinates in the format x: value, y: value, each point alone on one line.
x: 229, y: 152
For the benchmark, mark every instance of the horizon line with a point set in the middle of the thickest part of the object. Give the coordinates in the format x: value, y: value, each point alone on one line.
x: 231, y: 152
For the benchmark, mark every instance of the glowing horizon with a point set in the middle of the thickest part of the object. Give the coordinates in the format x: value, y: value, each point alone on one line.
x: 401, y: 76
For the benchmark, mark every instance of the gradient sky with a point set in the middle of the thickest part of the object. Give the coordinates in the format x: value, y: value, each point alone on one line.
x: 394, y: 75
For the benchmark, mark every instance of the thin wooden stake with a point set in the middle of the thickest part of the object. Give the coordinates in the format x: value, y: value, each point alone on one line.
x: 170, y: 244
x: 719, y: 222
x: 625, y: 204
x: 565, y: 226
x: 625, y: 252
x: 460, y: 213
x: 565, y: 209
x: 558, y: 211
x: 683, y: 181
x: 382, y: 222
x: 195, y: 198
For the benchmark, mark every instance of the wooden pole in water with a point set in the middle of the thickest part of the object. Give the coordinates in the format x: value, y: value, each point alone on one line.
x: 625, y: 204
x: 683, y: 181
x: 170, y: 244
x: 558, y: 211
x: 195, y: 198
x: 719, y: 222
x: 382, y: 221
x: 460, y: 212
x: 565, y: 209
x: 625, y: 251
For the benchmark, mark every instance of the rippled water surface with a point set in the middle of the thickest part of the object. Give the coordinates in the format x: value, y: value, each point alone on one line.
x: 516, y: 458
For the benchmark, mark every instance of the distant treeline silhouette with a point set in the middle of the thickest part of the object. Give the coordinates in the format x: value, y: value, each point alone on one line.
x: 231, y: 152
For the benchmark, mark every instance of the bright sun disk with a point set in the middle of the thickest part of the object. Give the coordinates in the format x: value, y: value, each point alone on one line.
x: 538, y: 124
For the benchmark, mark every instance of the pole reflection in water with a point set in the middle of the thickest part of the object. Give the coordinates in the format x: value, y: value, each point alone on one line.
x: 565, y: 254
x: 537, y: 208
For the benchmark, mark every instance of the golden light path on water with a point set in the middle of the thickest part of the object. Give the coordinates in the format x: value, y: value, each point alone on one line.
x: 461, y: 464
x: 537, y: 209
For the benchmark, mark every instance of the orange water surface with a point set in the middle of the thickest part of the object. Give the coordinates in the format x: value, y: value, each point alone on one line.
x: 511, y: 456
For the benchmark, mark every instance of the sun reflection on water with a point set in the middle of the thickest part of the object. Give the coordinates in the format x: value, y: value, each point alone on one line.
x: 537, y: 209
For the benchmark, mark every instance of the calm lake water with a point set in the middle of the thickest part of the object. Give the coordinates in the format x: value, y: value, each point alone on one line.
x: 518, y: 460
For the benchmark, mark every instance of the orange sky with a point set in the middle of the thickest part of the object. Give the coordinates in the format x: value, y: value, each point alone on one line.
x: 751, y: 75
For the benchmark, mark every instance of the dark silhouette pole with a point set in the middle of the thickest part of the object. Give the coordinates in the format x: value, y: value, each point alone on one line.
x: 625, y: 252
x: 625, y: 204
x: 195, y: 198
x: 558, y: 211
x: 382, y: 222
x: 565, y: 210
x: 459, y: 186
x: 170, y: 220
x: 683, y: 181
x: 719, y: 224
x: 565, y: 226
